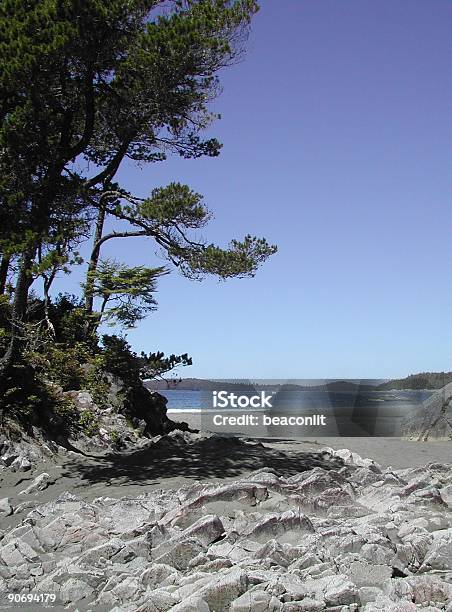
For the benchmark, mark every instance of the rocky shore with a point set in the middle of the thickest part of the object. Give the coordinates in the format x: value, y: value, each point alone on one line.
x: 293, y: 531
x: 432, y: 420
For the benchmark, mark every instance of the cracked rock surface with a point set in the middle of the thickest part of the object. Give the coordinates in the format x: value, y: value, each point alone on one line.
x: 432, y: 420
x: 352, y: 537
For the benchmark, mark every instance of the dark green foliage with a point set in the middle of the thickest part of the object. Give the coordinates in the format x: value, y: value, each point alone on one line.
x: 241, y: 259
x: 88, y: 423
x: 120, y: 360
x: 28, y: 400
x: 61, y: 365
x: 84, y: 86
x: 71, y: 322
x: 156, y: 365
x: 168, y: 215
x: 60, y: 357
x: 126, y: 293
x: 31, y: 393
x: 424, y: 380
x: 23, y: 396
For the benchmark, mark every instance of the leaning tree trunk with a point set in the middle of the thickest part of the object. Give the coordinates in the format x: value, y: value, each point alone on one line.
x: 4, y: 267
x: 94, y: 260
x: 17, y: 343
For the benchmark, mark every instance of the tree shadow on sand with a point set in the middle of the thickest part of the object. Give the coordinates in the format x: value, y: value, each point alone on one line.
x: 211, y: 457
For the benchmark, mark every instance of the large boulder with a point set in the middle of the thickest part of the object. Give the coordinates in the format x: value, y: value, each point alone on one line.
x: 433, y: 419
x: 145, y: 408
x: 129, y: 414
x: 150, y: 407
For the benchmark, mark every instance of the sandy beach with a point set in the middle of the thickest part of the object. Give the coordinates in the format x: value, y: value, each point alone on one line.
x: 164, y: 466
x: 387, y: 451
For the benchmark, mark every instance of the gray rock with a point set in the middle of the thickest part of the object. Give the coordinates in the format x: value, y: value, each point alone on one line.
x: 99, y: 554
x: 159, y: 601
x: 74, y: 590
x: 256, y: 601
x: 179, y: 550
x: 432, y: 420
x: 5, y: 507
x: 192, y: 604
x: 8, y: 458
x: 368, y: 594
x: 307, y: 604
x: 40, y: 483
x: 338, y: 590
x: 159, y: 574
x: 272, y: 543
x: 353, y: 459
x: 125, y: 589
x: 286, y: 526
x: 421, y: 590
x: 223, y: 589
x: 369, y: 575
x: 181, y: 553
x: 20, y: 464
x: 439, y: 555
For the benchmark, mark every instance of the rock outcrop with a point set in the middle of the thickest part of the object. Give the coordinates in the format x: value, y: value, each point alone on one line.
x: 432, y: 420
x: 130, y: 413
x: 22, y: 452
x: 353, y: 537
x: 116, y: 425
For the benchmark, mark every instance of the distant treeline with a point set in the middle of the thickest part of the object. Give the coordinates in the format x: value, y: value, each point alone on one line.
x: 247, y: 386
x: 200, y: 384
x: 424, y: 380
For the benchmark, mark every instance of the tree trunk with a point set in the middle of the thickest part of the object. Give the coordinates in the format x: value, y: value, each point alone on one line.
x: 4, y: 267
x: 94, y: 260
x: 17, y: 343
x: 47, y: 284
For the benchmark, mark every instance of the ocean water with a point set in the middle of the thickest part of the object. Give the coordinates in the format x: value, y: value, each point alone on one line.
x: 376, y: 413
x: 180, y: 400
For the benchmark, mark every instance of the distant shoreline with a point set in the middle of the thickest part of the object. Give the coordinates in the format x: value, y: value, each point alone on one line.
x: 413, y: 383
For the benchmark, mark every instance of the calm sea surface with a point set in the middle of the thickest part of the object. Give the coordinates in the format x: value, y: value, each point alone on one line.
x: 376, y: 413
x: 301, y: 400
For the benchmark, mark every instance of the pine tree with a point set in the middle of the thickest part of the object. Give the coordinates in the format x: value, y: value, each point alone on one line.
x: 86, y: 85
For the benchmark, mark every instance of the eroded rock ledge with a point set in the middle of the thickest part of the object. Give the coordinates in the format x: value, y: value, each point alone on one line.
x: 354, y: 537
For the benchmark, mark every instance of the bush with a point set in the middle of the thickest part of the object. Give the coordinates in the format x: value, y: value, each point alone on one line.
x: 72, y: 324
x: 88, y: 423
x: 61, y: 365
x: 96, y: 382
x: 120, y: 360
x: 22, y: 395
x: 29, y: 401
x: 72, y: 360
x: 63, y: 417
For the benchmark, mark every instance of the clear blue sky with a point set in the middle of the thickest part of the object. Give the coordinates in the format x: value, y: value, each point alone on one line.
x: 337, y: 132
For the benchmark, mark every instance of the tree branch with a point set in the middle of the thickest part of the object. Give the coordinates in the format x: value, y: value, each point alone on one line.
x: 79, y: 147
x: 108, y: 173
x: 100, y: 242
